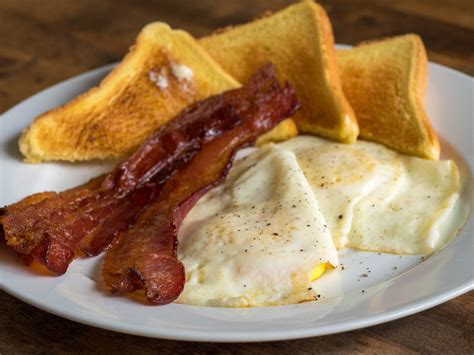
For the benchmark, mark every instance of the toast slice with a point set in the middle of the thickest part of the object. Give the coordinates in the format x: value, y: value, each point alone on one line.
x: 299, y: 41
x: 164, y: 72
x: 385, y: 82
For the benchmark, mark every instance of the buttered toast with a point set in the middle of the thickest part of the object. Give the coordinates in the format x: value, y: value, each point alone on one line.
x: 299, y: 41
x: 163, y: 73
x: 385, y: 83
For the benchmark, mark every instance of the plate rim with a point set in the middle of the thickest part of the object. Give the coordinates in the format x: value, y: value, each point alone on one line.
x: 246, y: 337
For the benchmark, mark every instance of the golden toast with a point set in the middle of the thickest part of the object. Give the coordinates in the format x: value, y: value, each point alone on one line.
x: 299, y: 41
x: 385, y: 82
x: 164, y: 72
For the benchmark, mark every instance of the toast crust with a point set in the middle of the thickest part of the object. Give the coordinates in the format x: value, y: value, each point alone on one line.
x: 385, y: 82
x: 111, y: 120
x: 163, y: 72
x: 286, y: 129
x: 299, y: 41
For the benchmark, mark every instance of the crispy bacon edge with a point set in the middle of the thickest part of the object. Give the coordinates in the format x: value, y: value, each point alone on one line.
x: 144, y: 256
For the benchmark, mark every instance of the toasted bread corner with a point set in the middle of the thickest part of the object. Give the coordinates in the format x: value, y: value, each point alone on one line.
x: 138, y: 96
x: 385, y: 82
x: 112, y: 119
x: 285, y: 130
x: 299, y: 41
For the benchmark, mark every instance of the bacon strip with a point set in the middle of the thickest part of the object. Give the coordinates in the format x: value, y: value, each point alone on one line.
x: 51, y: 227
x: 19, y: 220
x: 144, y: 256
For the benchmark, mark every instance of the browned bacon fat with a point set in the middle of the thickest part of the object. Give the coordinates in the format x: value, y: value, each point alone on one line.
x: 144, y: 255
x: 50, y: 227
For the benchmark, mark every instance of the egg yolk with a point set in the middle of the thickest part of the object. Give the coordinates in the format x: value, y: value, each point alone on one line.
x: 318, y: 271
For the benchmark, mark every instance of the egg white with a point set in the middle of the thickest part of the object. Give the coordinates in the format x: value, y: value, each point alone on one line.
x: 341, y: 175
x: 257, y: 239
x: 376, y: 199
x: 273, y: 226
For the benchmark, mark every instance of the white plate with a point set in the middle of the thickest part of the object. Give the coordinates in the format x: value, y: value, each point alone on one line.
x: 396, y: 286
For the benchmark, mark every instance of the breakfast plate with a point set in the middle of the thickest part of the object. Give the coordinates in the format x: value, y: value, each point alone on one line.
x: 373, y: 287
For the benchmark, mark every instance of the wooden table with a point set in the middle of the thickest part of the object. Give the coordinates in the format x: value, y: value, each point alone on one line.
x: 44, y: 42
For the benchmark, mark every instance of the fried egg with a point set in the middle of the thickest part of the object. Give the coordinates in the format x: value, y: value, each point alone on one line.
x: 259, y: 239
x: 341, y: 175
x: 273, y: 226
x: 376, y: 199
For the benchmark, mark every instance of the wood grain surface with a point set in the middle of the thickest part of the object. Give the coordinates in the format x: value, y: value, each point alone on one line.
x: 45, y: 42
